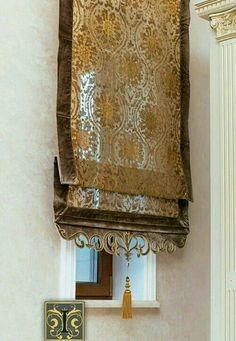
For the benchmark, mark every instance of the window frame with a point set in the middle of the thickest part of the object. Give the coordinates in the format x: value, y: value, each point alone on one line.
x: 102, y: 289
x: 68, y: 281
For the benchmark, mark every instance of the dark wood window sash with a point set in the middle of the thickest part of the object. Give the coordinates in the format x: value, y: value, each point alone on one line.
x: 102, y: 289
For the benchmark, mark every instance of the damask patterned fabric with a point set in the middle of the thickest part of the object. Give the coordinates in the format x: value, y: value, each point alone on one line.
x: 92, y: 198
x: 126, y: 101
x: 122, y: 114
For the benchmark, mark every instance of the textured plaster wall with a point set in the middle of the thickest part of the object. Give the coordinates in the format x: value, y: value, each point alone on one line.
x: 29, y: 244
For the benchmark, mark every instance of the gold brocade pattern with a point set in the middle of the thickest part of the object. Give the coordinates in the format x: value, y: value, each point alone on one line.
x: 125, y: 110
x: 108, y: 201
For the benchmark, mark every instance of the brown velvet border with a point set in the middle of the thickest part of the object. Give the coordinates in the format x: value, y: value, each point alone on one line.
x: 185, y: 92
x: 67, y: 167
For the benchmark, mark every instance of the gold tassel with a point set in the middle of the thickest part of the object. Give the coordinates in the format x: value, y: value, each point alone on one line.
x: 127, y: 300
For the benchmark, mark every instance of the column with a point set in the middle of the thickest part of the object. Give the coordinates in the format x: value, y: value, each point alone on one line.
x: 222, y: 19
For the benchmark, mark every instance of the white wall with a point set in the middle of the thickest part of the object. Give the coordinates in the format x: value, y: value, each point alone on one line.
x: 29, y: 243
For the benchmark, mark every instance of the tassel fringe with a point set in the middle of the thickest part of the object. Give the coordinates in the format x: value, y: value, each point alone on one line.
x: 127, y: 301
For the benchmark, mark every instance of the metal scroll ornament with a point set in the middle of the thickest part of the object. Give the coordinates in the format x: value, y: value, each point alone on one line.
x: 125, y: 244
x: 64, y: 321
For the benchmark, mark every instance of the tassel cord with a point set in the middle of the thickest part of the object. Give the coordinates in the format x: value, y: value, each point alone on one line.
x: 127, y: 297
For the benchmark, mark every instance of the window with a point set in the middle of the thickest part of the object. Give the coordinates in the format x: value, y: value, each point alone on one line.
x: 103, y: 291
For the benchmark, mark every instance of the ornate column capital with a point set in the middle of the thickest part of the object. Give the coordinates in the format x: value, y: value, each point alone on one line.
x: 208, y: 7
x: 222, y: 17
x: 224, y: 24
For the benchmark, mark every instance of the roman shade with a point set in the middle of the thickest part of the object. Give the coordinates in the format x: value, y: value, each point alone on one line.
x: 122, y: 180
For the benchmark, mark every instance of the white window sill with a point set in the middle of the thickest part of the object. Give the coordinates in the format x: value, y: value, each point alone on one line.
x: 118, y: 304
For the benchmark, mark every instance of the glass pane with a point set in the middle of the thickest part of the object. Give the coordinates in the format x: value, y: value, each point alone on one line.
x: 86, y: 265
x: 136, y: 273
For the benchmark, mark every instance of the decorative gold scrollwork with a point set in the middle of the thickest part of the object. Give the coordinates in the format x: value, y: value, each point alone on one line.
x: 125, y: 243
x: 68, y: 326
x: 55, y: 322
